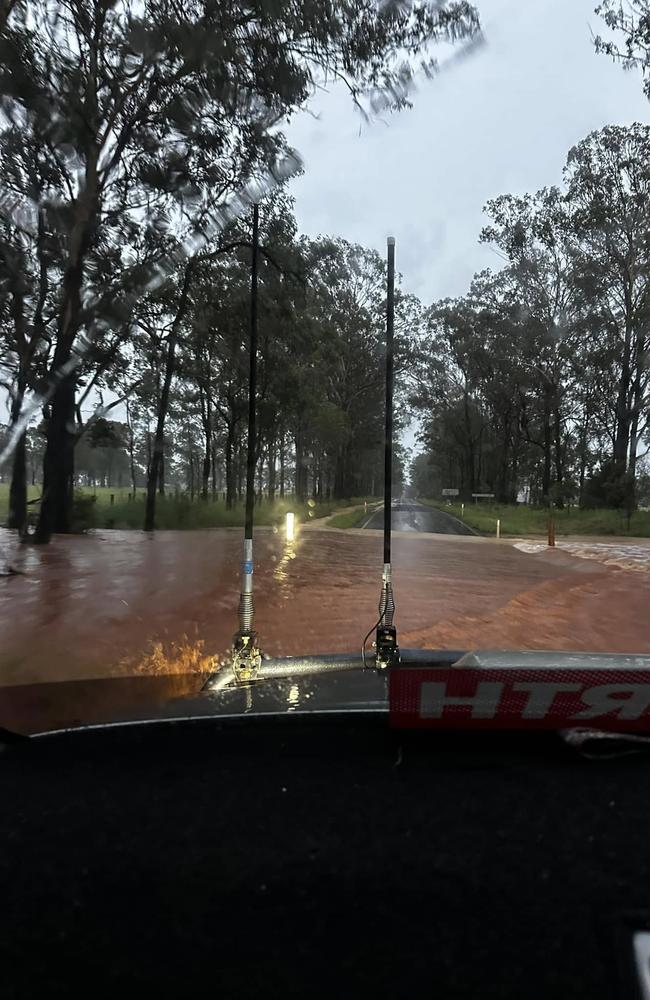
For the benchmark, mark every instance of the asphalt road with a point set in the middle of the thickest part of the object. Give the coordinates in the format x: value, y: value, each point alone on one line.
x: 412, y: 516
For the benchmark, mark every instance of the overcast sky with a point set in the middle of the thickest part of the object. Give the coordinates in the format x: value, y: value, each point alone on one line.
x: 501, y: 121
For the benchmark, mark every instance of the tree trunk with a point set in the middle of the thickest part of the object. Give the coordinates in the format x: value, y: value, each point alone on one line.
x: 18, y: 488
x: 317, y: 476
x: 230, y: 478
x: 282, y: 467
x: 260, y: 475
x: 547, y: 441
x: 637, y: 402
x: 163, y: 405
x: 129, y: 424
x: 205, y: 470
x: 514, y: 491
x: 241, y: 468
x: 559, y: 462
x: 58, y: 463
x: 206, y: 422
x: 161, y: 472
x: 469, y: 445
x: 622, y: 437
x: 213, y: 459
x: 300, y: 485
x: 583, y: 453
x: 341, y: 474
x: 272, y: 487
x: 55, y: 514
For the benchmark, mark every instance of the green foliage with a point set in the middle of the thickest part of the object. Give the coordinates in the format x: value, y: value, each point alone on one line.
x: 536, y: 381
x: 632, y: 21
x: 605, y: 488
x: 105, y: 434
x: 113, y: 108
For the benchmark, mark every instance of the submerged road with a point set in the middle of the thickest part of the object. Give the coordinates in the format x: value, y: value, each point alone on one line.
x: 129, y: 603
x: 412, y: 516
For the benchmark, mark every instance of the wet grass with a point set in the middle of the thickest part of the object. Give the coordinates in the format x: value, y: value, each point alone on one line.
x: 522, y: 520
x: 33, y: 492
x: 181, y: 513
x: 350, y: 518
x: 94, y: 509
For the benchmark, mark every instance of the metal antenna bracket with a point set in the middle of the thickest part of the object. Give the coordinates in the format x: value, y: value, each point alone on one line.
x: 386, y: 648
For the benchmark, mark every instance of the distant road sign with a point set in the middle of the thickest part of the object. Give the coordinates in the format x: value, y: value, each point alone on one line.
x: 484, y: 496
x: 450, y: 493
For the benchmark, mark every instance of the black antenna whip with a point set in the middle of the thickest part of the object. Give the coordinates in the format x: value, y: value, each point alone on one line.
x: 387, y: 650
x: 247, y: 657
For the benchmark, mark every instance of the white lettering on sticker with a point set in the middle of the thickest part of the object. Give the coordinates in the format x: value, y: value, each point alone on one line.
x: 627, y: 701
x: 484, y: 702
x: 542, y: 696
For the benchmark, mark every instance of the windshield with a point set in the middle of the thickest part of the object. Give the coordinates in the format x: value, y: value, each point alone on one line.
x: 201, y: 207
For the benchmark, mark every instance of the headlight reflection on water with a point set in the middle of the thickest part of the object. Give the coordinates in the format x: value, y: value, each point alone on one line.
x: 280, y: 573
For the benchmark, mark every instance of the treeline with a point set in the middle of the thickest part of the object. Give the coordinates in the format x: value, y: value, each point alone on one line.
x: 321, y: 306
x: 535, y: 384
x: 133, y: 139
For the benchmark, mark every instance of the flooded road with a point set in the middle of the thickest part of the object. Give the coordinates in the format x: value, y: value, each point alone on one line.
x: 119, y: 603
x: 412, y: 516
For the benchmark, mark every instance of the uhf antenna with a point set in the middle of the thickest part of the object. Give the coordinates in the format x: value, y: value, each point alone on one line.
x: 247, y: 657
x: 387, y: 650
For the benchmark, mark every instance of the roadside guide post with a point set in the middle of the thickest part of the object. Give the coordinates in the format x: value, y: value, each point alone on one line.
x: 462, y: 511
x: 498, y: 528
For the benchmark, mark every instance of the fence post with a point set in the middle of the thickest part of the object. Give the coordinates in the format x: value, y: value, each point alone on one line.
x: 551, y: 532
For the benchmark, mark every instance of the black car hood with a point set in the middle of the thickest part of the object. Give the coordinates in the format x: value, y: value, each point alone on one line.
x: 332, y: 684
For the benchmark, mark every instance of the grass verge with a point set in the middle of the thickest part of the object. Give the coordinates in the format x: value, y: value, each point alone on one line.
x: 522, y: 520
x: 349, y: 519
x: 176, y: 512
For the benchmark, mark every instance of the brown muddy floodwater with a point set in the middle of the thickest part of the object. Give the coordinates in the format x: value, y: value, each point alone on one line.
x: 118, y: 602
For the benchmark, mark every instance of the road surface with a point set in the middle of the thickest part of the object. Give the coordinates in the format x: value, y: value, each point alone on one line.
x: 128, y: 603
x: 412, y: 516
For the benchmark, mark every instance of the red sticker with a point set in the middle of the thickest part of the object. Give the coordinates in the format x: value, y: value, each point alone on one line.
x: 487, y: 698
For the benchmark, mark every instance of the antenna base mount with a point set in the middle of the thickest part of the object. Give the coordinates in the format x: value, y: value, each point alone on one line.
x: 246, y: 657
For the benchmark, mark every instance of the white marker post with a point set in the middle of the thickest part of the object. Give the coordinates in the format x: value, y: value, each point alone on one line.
x: 498, y: 528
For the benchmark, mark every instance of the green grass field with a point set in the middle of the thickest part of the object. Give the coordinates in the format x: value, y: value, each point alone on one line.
x: 524, y: 520
x: 176, y: 512
x: 32, y: 493
x: 350, y: 519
